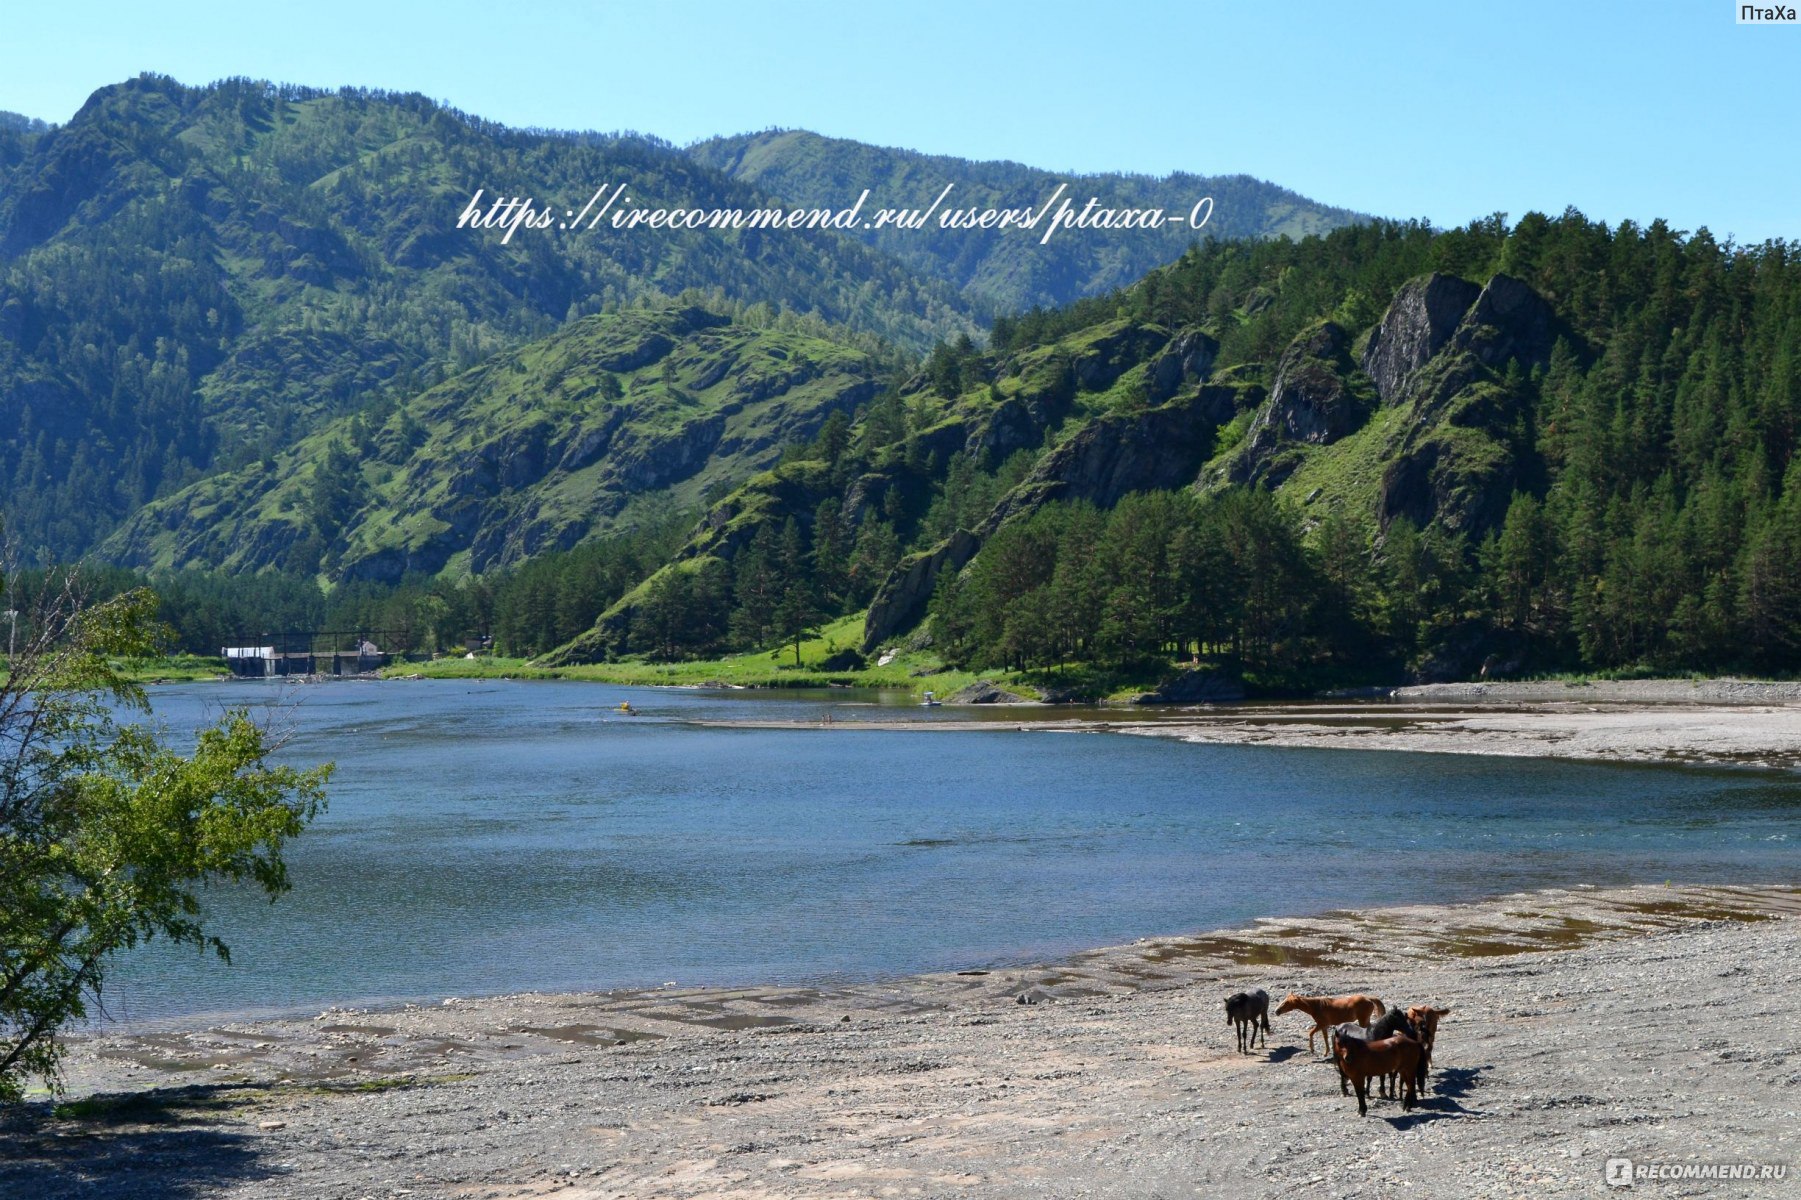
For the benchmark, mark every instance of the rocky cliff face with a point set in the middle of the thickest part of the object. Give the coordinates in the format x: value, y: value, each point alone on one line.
x: 1451, y: 445
x: 1419, y: 321
x: 901, y: 601
x: 1121, y: 453
x: 1502, y: 322
x: 1315, y: 400
x: 1459, y: 457
x: 1115, y: 350
x: 1020, y: 421
x: 1185, y: 362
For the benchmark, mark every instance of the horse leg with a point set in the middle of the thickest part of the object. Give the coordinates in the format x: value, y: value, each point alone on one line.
x: 1363, y: 1088
x: 1411, y: 1097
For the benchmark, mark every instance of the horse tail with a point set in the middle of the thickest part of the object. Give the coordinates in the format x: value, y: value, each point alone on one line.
x: 1266, y: 1028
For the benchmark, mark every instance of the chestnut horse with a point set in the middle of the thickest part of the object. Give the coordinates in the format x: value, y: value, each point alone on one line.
x: 1425, y: 1020
x: 1328, y: 1011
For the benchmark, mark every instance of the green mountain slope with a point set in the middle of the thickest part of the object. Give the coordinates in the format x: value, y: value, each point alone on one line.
x: 1389, y: 449
x: 1007, y: 271
x: 536, y: 449
x: 191, y: 278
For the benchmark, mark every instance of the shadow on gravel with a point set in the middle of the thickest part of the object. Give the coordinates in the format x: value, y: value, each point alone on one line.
x: 138, y: 1145
x: 1449, y: 1088
x: 1457, y: 1082
x: 1282, y: 1054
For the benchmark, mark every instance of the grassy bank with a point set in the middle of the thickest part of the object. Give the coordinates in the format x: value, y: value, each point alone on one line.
x: 821, y: 664
x: 178, y: 668
x: 913, y: 671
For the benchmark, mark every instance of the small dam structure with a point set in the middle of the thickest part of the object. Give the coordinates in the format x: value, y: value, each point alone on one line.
x: 300, y: 654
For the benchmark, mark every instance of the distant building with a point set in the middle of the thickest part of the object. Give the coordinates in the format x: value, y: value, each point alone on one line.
x: 265, y: 662
x: 254, y: 661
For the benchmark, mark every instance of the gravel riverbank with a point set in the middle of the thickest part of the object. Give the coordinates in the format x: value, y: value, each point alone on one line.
x: 1717, y: 722
x: 1738, y: 735
x: 1656, y: 1023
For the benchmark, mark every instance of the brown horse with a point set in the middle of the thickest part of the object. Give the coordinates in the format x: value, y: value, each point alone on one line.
x: 1360, y: 1061
x: 1425, y: 1020
x: 1328, y: 1011
x: 1417, y: 1021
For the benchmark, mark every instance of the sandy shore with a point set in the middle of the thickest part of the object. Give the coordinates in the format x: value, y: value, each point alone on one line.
x: 1655, y: 1023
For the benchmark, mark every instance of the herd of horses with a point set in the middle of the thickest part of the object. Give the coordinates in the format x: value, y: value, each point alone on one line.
x: 1364, y: 1037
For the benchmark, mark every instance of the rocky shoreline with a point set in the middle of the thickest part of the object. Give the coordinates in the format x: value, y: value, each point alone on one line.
x: 1715, y: 691
x: 1746, y: 734
x: 1650, y: 1022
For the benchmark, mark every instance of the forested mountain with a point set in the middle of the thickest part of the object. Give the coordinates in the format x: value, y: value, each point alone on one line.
x: 642, y: 410
x: 1385, y: 450
x: 1002, y: 271
x: 192, y: 278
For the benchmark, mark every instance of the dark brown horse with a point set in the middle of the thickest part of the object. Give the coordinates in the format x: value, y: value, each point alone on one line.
x: 1395, y: 1020
x: 1417, y: 1021
x: 1359, y: 1061
x: 1249, y: 1011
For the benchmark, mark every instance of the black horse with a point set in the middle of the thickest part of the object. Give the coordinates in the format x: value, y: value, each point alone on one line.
x: 1397, y: 1020
x: 1249, y: 1011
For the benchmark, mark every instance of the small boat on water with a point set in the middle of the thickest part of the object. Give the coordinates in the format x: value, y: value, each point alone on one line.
x: 625, y: 707
x: 930, y: 701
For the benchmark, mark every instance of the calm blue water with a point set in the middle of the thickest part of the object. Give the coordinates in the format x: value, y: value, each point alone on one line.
x: 496, y: 837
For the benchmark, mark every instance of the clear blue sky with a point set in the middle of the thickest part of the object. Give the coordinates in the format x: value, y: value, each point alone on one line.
x: 1448, y: 110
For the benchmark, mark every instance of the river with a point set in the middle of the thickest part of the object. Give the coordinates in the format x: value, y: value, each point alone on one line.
x: 492, y: 837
